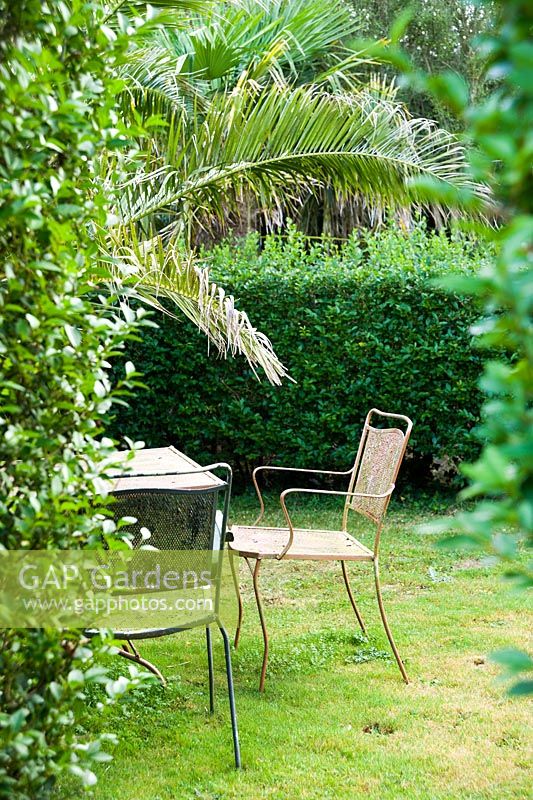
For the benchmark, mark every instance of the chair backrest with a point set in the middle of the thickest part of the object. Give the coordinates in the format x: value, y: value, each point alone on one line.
x: 378, y: 460
x: 176, y: 519
x: 185, y: 520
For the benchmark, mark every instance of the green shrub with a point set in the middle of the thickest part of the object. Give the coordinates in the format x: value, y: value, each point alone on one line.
x: 56, y: 115
x: 358, y: 326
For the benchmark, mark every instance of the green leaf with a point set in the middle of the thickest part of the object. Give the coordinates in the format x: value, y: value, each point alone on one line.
x: 400, y: 24
x: 76, y: 677
x: 451, y: 88
x: 34, y: 322
x: 73, y: 335
x: 17, y: 719
x: 514, y: 660
x: 521, y: 688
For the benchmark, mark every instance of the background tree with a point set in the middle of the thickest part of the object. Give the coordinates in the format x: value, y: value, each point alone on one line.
x: 440, y: 36
x: 265, y: 114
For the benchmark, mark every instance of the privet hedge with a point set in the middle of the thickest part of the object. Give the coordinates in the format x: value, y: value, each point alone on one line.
x: 359, y: 326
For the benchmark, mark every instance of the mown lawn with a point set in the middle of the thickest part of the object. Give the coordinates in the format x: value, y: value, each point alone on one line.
x: 336, y: 721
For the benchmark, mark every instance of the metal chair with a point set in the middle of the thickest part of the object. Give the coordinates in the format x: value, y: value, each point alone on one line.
x: 178, y: 520
x: 371, y: 483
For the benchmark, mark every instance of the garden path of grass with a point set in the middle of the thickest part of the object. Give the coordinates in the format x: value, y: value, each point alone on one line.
x: 336, y: 721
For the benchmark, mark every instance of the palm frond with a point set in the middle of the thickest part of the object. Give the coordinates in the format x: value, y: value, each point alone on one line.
x: 159, y: 84
x: 153, y: 272
x: 277, y: 142
x: 260, y: 36
x: 350, y: 74
x: 118, y: 6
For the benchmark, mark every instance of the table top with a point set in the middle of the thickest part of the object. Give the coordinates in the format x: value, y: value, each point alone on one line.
x: 160, y: 460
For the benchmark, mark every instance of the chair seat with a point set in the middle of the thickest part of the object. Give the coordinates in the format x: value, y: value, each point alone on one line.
x: 309, y: 545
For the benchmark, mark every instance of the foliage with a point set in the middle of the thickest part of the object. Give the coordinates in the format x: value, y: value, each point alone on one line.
x: 244, y: 142
x: 265, y: 40
x: 500, y: 128
x: 56, y: 339
x: 154, y: 270
x: 264, y: 114
x: 439, y: 36
x: 358, y: 326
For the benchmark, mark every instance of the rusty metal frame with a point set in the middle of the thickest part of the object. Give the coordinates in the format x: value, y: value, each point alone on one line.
x: 135, y: 656
x: 254, y: 571
x: 255, y: 579
x: 269, y: 468
x: 355, y: 469
x: 239, y: 599
x: 352, y: 599
x: 284, y: 494
x: 385, y: 621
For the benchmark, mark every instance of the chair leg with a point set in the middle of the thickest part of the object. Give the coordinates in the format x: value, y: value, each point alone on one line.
x: 352, y: 599
x: 255, y: 576
x: 138, y: 659
x: 210, y: 668
x: 239, y: 599
x: 386, y: 624
x: 234, y: 729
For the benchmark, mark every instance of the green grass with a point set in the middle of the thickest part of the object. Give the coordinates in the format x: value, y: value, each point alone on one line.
x: 336, y: 721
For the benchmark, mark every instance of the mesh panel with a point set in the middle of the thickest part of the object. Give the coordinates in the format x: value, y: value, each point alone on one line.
x: 183, y: 521
x: 176, y: 520
x: 379, y: 463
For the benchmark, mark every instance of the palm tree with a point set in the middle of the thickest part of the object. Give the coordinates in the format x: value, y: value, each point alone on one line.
x: 259, y: 101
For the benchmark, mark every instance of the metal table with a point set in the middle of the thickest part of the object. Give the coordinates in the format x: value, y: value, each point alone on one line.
x: 158, y: 468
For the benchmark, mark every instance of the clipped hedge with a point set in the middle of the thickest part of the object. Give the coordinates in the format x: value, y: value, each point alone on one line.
x: 359, y: 326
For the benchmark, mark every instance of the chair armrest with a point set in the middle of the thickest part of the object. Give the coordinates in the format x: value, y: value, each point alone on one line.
x: 343, y: 494
x: 267, y: 467
x: 284, y: 494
